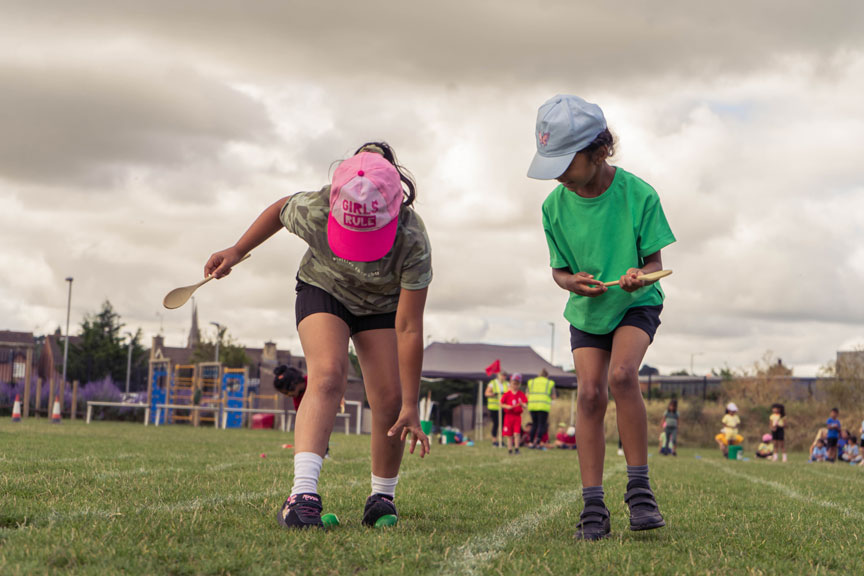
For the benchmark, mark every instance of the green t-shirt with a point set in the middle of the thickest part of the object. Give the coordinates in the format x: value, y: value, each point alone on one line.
x: 364, y: 288
x: 605, y: 236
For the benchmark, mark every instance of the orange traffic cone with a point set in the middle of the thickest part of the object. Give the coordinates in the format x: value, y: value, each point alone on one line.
x: 16, y: 409
x: 55, y: 413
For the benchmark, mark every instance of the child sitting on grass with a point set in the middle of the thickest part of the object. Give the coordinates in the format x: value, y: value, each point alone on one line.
x: 566, y: 439
x: 819, y: 452
x: 851, y: 453
x: 766, y: 448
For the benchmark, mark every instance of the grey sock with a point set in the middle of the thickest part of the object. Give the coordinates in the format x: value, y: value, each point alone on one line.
x: 639, y: 473
x: 592, y: 493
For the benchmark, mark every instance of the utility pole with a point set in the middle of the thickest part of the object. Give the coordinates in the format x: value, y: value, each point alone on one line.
x: 129, y: 360
x: 66, y: 341
x: 218, y: 338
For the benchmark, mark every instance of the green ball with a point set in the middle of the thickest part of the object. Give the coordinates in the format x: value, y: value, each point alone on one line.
x: 385, y: 521
x: 330, y: 520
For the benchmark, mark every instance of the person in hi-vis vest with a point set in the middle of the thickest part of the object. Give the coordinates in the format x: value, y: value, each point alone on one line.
x: 541, y: 392
x: 496, y: 387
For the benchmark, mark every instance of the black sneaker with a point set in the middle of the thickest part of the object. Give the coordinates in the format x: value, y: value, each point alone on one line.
x: 517, y: 450
x: 378, y: 505
x: 302, y: 511
x: 644, y: 512
x: 593, y: 522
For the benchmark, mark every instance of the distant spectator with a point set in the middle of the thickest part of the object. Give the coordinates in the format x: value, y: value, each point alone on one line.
x: 566, y: 439
x: 494, y: 390
x: 729, y: 434
x: 670, y: 422
x: 844, y: 439
x: 862, y: 434
x: 527, y: 434
x: 819, y: 452
x: 833, y: 425
x: 766, y: 448
x: 851, y: 453
x: 513, y: 402
x: 821, y: 434
x: 778, y: 429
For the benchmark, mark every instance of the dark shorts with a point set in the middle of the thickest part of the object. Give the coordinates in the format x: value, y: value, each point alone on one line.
x: 314, y: 300
x: 862, y: 442
x: 777, y: 434
x: 831, y: 442
x: 646, y: 318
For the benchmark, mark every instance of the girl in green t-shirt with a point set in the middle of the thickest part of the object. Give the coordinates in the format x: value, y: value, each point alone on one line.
x: 364, y: 279
x: 602, y: 223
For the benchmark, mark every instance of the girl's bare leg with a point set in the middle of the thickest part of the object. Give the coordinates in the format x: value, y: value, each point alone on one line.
x: 379, y: 361
x: 324, y: 339
x: 592, y: 397
x: 628, y: 349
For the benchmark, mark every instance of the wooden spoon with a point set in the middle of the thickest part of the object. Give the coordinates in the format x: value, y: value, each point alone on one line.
x: 179, y: 296
x: 645, y: 277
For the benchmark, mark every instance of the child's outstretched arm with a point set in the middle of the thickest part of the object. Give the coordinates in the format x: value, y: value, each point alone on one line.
x: 409, y: 346
x: 580, y: 283
x: 630, y: 281
x: 265, y: 226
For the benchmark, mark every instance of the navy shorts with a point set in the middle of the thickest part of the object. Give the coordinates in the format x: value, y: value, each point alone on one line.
x: 831, y: 442
x: 778, y: 434
x: 314, y: 300
x: 646, y: 318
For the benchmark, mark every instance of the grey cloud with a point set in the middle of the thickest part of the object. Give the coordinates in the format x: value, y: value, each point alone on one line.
x: 474, y: 43
x: 68, y: 125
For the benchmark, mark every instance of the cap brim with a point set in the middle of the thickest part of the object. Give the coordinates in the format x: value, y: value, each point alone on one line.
x: 549, y: 167
x: 361, y: 246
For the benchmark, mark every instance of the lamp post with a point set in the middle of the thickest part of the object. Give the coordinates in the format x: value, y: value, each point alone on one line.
x: 66, y: 341
x: 218, y: 338
x: 552, y: 347
x: 129, y: 361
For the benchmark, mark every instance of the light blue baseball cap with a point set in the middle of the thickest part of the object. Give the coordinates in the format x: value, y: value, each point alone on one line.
x: 565, y: 125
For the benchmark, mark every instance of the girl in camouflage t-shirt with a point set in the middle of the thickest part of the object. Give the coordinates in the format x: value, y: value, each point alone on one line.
x: 363, y: 278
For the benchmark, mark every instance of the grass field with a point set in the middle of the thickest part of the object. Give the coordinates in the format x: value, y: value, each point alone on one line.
x: 114, y: 498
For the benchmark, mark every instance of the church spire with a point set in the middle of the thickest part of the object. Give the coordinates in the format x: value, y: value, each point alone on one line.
x: 194, y: 332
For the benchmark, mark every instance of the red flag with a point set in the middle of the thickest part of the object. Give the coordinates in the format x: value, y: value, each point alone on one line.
x: 493, y: 368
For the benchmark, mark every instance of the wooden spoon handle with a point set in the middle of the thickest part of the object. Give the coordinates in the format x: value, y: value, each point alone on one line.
x: 645, y: 277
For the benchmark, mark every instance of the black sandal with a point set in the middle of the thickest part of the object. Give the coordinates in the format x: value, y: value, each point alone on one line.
x: 593, y: 522
x: 644, y: 512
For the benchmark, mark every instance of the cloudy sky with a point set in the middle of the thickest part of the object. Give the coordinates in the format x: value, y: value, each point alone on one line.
x: 136, y: 138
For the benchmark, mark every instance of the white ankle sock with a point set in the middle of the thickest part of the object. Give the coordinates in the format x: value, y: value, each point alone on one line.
x: 307, y: 468
x: 385, y: 486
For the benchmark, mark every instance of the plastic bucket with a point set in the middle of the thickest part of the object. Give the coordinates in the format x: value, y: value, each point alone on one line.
x: 734, y: 452
x: 448, y: 436
x: 426, y: 426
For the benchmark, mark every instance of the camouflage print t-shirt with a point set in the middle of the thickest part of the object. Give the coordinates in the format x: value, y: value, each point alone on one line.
x: 363, y: 287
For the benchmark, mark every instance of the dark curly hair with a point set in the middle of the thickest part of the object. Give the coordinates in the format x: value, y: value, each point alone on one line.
x: 606, y: 139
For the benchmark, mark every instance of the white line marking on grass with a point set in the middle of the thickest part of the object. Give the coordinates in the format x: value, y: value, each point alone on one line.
x: 789, y: 491
x: 481, y: 550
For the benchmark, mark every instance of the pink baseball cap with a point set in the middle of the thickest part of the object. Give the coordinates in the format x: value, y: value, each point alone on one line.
x: 365, y: 197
